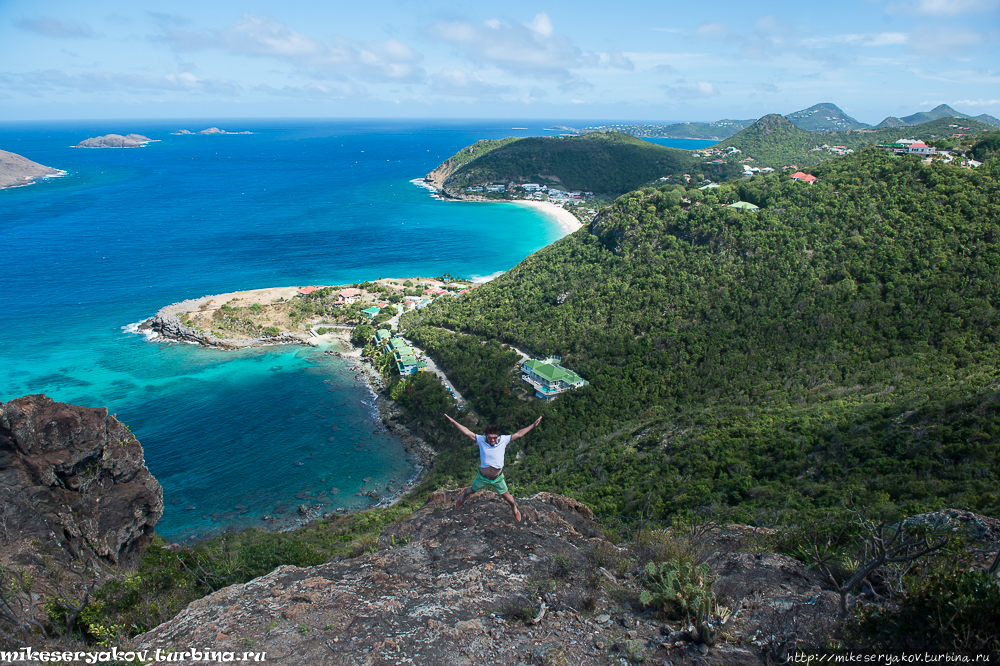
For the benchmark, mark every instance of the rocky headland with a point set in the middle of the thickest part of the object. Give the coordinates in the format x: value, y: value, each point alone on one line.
x: 115, y: 141
x: 16, y: 170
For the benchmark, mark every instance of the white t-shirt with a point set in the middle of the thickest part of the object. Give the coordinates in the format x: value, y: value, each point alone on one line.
x: 492, y: 456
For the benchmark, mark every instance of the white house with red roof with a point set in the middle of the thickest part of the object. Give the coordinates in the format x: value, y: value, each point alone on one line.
x: 921, y: 148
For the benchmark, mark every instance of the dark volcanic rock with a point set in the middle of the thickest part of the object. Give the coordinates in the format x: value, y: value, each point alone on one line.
x: 74, y: 479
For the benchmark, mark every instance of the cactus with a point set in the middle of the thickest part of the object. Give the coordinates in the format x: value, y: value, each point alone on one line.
x: 676, y: 588
x: 708, y: 613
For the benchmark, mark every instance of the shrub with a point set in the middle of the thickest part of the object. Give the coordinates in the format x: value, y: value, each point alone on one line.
x: 272, y: 331
x: 954, y: 611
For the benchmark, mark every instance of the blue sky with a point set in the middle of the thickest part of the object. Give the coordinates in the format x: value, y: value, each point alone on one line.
x: 653, y: 61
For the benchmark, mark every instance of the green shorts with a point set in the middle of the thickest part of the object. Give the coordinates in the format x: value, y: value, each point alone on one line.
x: 497, y: 484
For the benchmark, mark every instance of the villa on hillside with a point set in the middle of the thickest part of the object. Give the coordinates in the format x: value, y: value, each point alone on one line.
x: 549, y: 379
x: 348, y: 295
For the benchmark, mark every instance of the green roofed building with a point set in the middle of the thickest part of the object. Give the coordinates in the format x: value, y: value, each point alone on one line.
x: 743, y: 205
x: 371, y: 312
x: 549, y: 379
x: 383, y: 336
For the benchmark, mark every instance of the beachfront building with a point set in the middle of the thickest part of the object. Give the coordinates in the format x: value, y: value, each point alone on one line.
x: 548, y: 378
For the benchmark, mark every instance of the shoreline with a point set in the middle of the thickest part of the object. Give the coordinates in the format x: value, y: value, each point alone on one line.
x: 566, y: 220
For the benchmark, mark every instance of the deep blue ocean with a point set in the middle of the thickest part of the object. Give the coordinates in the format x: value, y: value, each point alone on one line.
x: 297, y: 202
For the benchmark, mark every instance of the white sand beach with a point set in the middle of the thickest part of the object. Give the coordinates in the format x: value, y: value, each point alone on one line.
x: 567, y: 220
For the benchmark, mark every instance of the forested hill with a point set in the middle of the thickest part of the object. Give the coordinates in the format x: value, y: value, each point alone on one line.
x: 602, y: 163
x: 825, y: 117
x: 775, y: 141
x: 839, y: 342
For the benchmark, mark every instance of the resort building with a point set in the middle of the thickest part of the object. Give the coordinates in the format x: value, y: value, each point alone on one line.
x: 406, y: 357
x: 383, y: 337
x: 549, y: 379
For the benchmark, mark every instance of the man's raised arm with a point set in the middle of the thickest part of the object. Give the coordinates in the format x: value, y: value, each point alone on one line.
x: 524, y: 431
x: 462, y: 429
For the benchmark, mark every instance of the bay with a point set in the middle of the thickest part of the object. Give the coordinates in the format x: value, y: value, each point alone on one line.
x: 297, y: 202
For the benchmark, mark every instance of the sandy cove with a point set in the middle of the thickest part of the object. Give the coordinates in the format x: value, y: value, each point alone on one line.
x: 567, y: 221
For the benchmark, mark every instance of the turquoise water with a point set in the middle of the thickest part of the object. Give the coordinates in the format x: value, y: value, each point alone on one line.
x: 297, y: 202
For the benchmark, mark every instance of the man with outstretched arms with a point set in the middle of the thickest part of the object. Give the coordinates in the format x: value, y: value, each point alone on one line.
x: 492, y: 446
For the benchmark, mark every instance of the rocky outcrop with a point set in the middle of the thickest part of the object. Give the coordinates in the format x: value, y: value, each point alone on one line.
x: 115, y: 141
x: 172, y: 328
x: 472, y: 586
x: 74, y: 480
x: 16, y: 170
x: 209, y: 130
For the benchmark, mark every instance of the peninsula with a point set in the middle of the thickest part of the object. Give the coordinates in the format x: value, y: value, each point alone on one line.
x: 115, y: 141
x: 309, y: 315
x: 16, y: 170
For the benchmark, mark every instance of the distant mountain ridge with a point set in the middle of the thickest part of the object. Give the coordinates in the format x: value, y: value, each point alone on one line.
x: 825, y: 117
x: 938, y: 112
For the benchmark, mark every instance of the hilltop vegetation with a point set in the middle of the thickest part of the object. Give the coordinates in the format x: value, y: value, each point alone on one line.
x: 602, y: 163
x: 840, y: 342
x: 776, y: 142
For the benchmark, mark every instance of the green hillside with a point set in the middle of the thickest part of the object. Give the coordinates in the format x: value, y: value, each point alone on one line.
x: 602, y: 163
x: 776, y: 142
x: 825, y: 117
x: 841, y: 341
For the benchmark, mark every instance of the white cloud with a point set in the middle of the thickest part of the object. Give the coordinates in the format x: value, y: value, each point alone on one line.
x: 102, y: 82
x: 950, y: 7
x: 530, y: 49
x: 860, y: 39
x: 943, y: 41
x: 53, y: 27
x: 700, y: 90
x: 977, y: 102
x: 324, y: 90
x: 262, y: 36
x: 460, y: 83
x: 617, y: 60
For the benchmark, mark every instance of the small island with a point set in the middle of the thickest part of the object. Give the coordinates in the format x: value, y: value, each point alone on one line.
x: 115, y: 141
x: 16, y: 171
x: 210, y: 130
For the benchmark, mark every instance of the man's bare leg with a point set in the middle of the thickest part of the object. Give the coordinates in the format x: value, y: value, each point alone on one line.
x: 510, y: 500
x: 464, y: 495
